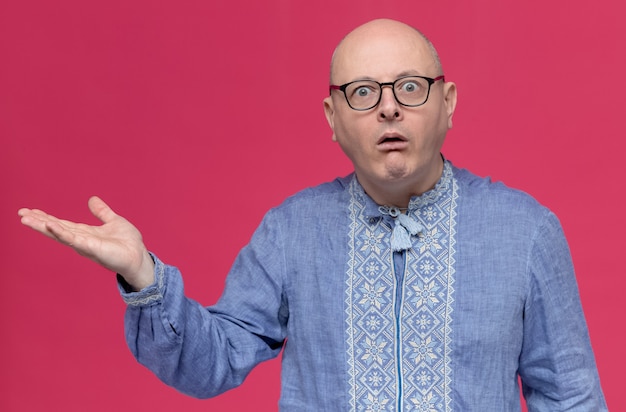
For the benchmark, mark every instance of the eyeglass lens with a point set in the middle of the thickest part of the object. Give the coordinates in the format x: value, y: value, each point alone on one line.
x: 409, y: 91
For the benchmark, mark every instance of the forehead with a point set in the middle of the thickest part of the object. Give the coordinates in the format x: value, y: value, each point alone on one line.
x: 382, y: 53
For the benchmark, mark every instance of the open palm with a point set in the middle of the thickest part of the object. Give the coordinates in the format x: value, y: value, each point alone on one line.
x: 116, y: 244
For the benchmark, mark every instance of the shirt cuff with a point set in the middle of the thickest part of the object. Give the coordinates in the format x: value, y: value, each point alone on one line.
x: 150, y: 295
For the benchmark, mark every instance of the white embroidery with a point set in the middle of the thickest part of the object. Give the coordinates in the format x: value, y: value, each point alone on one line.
x: 413, y: 362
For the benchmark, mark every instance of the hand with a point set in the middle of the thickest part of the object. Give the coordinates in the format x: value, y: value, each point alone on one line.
x: 116, y: 245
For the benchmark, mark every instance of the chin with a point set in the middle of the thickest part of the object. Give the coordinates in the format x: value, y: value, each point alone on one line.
x: 397, y: 172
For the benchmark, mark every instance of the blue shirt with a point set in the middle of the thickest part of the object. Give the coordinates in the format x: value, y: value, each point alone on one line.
x: 440, y: 307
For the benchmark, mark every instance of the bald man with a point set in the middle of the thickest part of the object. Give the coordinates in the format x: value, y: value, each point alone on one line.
x: 407, y: 285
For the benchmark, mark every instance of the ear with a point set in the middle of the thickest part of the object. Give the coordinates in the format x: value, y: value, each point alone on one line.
x: 449, y: 100
x: 329, y: 111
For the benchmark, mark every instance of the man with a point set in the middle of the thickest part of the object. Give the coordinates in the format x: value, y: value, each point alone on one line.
x: 408, y: 285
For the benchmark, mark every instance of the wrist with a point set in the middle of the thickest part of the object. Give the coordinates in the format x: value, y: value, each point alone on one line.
x: 144, y: 276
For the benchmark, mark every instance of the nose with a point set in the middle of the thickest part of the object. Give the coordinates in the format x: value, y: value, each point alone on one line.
x: 388, y: 107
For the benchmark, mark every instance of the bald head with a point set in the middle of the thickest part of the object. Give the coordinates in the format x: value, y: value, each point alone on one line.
x: 378, y: 31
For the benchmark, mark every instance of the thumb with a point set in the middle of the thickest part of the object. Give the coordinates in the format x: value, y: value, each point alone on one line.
x: 100, y: 209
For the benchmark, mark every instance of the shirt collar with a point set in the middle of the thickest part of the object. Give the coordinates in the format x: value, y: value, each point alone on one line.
x: 416, y: 202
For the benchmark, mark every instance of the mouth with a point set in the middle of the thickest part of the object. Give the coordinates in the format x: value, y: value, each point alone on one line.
x: 392, y: 141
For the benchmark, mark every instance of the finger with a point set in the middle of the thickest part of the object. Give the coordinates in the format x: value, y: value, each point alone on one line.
x: 27, y: 212
x: 79, y: 240
x: 36, y: 220
x: 34, y: 223
x: 41, y: 216
x: 60, y: 233
x: 63, y: 231
x: 101, y: 210
x: 37, y: 215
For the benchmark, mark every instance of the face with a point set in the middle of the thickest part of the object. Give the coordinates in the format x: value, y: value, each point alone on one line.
x: 395, y: 149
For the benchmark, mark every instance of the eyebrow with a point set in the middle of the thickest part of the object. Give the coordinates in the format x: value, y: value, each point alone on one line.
x: 399, y: 75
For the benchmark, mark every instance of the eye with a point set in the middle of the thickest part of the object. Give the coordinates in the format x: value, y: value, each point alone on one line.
x: 363, y: 91
x: 362, y: 94
x: 409, y: 86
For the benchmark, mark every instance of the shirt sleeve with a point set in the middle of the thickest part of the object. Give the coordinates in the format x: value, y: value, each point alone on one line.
x: 204, y: 351
x: 557, y: 366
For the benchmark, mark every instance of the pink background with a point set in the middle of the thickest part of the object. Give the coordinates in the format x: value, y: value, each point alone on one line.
x: 193, y: 118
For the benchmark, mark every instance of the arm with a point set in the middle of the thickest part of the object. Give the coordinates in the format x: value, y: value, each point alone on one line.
x: 206, y: 351
x: 200, y: 351
x: 557, y: 365
x: 116, y: 245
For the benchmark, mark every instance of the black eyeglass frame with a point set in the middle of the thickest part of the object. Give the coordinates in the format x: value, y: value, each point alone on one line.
x: 392, y: 84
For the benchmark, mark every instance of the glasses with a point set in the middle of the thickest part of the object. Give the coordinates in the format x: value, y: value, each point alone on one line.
x: 409, y: 91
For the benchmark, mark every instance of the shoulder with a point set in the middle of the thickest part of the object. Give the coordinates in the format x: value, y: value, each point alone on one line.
x: 498, y: 217
x: 315, y: 201
x: 484, y: 193
x: 319, y: 194
x: 489, y: 207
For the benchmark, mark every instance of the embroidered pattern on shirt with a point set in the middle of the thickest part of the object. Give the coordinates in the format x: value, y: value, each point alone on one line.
x: 398, y: 333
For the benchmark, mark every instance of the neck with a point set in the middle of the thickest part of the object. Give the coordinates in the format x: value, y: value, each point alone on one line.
x: 398, y: 192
